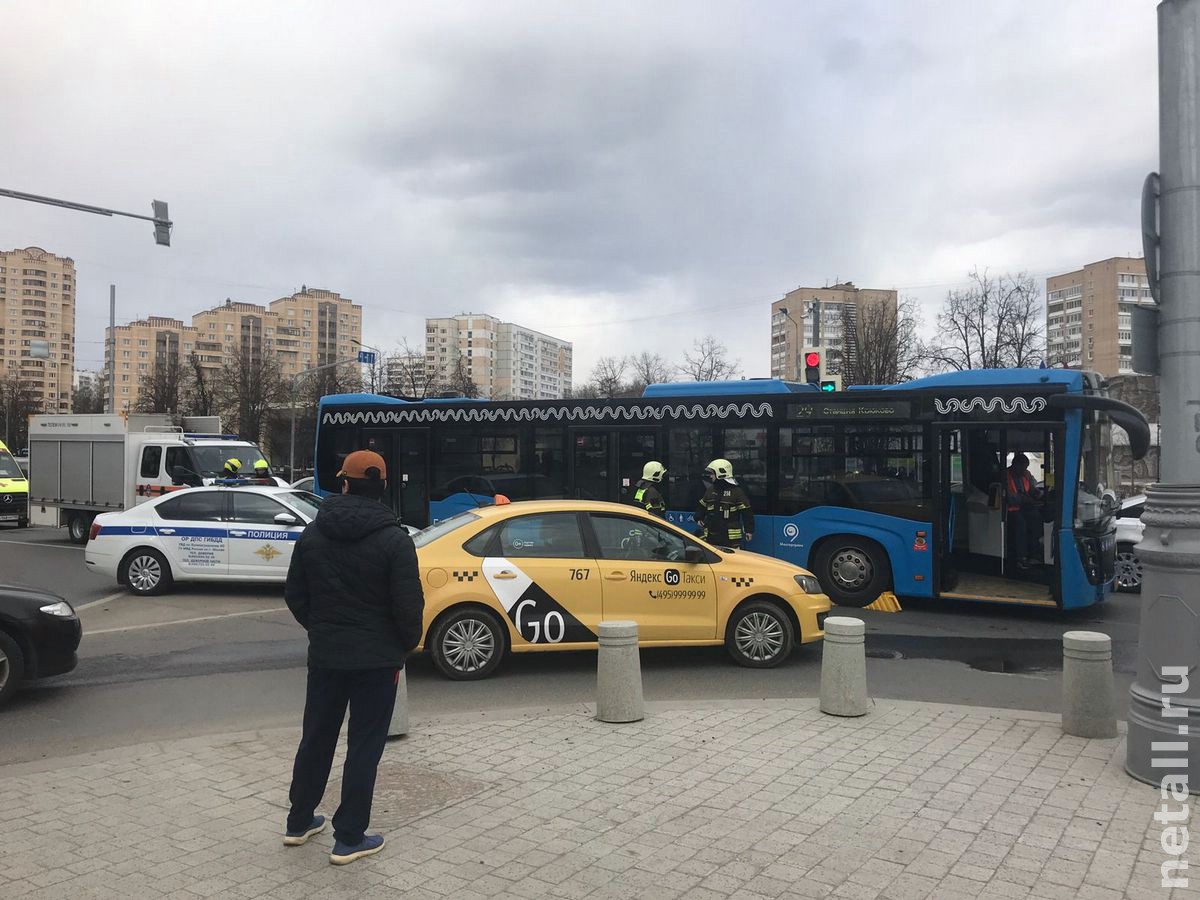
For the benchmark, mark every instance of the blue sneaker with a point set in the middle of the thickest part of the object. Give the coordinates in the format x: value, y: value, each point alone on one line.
x: 347, y: 853
x: 296, y: 838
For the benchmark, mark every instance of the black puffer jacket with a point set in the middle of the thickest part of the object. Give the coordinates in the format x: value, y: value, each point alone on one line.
x: 355, y: 587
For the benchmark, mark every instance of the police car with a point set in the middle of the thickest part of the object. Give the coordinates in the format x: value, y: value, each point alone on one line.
x: 541, y: 575
x: 218, y: 533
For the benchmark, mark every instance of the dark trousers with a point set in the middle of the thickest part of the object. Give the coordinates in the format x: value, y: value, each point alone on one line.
x: 370, y: 694
x: 1025, y: 528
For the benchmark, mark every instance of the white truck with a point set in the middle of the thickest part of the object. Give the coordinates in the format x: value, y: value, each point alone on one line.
x: 83, y: 465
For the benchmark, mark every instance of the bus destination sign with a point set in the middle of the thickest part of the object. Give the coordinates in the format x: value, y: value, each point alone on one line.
x: 870, y: 409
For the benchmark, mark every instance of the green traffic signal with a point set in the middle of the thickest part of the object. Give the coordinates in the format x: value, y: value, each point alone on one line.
x: 828, y: 386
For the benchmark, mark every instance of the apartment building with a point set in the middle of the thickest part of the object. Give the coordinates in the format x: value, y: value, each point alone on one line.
x: 37, y: 324
x: 310, y: 328
x: 818, y: 317
x: 1089, y: 312
x: 505, y: 361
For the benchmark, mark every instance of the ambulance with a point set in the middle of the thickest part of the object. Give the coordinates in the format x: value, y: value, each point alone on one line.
x: 14, y: 491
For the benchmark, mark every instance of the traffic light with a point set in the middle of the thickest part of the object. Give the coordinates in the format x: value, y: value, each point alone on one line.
x: 162, y: 223
x: 828, y: 386
x: 812, y: 366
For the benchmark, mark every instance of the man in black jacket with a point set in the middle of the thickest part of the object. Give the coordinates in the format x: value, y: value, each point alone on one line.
x: 355, y: 587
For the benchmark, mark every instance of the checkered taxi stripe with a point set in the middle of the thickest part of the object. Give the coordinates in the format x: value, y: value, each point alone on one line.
x: 741, y: 580
x: 466, y: 576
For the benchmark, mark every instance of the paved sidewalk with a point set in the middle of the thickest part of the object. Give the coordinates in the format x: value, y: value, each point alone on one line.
x: 707, y: 802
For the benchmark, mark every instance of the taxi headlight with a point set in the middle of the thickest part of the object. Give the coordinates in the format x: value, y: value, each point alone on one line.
x: 809, y: 584
x: 62, y: 609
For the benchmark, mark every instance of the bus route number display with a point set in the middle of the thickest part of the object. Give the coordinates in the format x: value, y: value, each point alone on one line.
x: 900, y: 409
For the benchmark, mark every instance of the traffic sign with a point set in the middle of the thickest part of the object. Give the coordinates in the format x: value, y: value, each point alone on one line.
x: 366, y: 357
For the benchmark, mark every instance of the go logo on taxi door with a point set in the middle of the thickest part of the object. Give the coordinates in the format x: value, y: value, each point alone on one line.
x: 537, y: 617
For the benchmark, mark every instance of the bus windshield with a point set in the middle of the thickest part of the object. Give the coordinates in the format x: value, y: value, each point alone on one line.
x: 1096, y: 499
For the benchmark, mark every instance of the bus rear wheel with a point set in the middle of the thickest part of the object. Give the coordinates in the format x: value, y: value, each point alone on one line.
x: 853, y: 571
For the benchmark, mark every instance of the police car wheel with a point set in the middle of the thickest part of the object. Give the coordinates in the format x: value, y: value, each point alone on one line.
x: 467, y: 645
x: 759, y: 635
x: 145, y: 572
x: 12, y: 667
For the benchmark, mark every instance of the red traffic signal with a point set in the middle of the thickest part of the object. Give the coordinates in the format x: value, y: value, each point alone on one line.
x: 812, y: 358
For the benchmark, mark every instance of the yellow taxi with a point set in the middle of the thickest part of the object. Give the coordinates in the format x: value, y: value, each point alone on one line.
x: 541, y: 575
x: 14, y: 490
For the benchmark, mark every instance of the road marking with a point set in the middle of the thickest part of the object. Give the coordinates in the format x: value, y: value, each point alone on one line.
x: 40, y: 544
x: 250, y: 612
x: 107, y: 599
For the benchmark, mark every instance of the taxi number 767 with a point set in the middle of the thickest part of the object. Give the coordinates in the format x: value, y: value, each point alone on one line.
x: 580, y: 574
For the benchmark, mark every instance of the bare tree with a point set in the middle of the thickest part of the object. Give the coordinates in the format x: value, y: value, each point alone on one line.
x: 161, y: 388
x: 995, y: 323
x: 709, y: 361
x: 647, y: 368
x: 460, y: 380
x: 410, y: 375
x: 887, y: 344
x: 199, y: 390
x: 18, y: 401
x: 608, y: 375
x: 88, y: 399
x: 251, y: 387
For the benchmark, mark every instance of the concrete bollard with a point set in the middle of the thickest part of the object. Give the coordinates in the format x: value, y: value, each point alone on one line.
x: 1088, y: 706
x: 844, y: 667
x: 398, y: 727
x: 619, y: 674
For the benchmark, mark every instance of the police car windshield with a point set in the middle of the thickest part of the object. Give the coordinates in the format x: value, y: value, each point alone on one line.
x: 210, y: 458
x: 433, y: 532
x: 307, y: 503
x: 9, y: 467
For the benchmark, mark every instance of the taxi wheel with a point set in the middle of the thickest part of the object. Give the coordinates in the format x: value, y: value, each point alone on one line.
x: 12, y: 667
x: 853, y: 571
x: 467, y: 644
x: 759, y: 635
x: 145, y: 572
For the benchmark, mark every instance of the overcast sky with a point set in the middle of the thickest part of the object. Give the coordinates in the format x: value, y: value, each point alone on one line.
x: 623, y: 175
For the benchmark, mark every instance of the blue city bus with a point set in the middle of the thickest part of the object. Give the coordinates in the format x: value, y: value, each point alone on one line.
x: 901, y: 488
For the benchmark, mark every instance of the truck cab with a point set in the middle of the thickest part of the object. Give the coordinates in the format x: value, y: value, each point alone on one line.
x: 14, y: 491
x: 167, y: 460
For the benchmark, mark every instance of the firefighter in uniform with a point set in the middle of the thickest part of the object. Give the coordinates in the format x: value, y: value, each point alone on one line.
x: 724, y: 514
x: 262, y: 473
x: 646, y: 494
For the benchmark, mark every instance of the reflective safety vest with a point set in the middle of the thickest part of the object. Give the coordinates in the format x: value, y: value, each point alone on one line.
x: 725, y: 515
x: 648, y: 497
x: 1016, y: 487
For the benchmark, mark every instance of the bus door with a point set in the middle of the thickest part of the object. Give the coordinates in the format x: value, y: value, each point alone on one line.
x: 605, y: 464
x: 406, y: 453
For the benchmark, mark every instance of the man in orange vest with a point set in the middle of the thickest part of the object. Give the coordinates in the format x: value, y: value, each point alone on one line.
x: 1024, y: 501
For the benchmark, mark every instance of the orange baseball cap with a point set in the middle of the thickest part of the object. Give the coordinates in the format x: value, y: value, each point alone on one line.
x: 366, y: 465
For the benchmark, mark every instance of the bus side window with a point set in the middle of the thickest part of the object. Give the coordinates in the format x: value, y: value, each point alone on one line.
x: 690, y: 450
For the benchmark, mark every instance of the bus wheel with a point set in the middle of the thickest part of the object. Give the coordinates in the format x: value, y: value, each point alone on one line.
x: 853, y: 571
x: 467, y: 644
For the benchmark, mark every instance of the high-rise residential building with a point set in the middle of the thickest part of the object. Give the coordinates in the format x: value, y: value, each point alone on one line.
x: 504, y: 360
x: 310, y: 328
x: 406, y: 374
x: 818, y: 317
x: 1089, y: 313
x: 37, y: 324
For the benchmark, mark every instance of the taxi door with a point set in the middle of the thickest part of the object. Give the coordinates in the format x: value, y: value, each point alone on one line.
x: 260, y: 547
x: 539, y: 570
x: 191, y: 531
x: 645, y: 578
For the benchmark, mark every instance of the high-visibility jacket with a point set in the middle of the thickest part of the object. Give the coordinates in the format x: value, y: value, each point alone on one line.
x: 647, y: 496
x: 1017, y: 487
x: 725, y: 515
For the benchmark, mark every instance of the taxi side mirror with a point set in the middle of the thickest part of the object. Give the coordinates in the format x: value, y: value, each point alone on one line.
x: 693, y: 555
x: 285, y: 519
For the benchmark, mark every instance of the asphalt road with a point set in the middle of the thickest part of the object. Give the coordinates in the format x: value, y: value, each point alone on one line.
x: 218, y: 659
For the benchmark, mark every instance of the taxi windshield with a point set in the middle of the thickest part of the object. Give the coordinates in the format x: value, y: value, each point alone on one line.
x: 210, y: 458
x: 9, y: 467
x: 433, y: 532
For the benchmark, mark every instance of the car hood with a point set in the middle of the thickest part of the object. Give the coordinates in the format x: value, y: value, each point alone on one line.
x: 763, y: 563
x: 28, y: 592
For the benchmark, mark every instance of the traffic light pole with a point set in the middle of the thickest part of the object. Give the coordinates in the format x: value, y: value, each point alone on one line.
x: 1163, y: 740
x: 162, y: 224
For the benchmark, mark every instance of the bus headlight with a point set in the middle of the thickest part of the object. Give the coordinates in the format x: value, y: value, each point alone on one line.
x: 809, y: 584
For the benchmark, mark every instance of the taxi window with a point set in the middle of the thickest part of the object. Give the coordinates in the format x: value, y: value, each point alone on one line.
x: 194, y: 506
x: 256, y: 509
x: 552, y: 535
x: 623, y: 538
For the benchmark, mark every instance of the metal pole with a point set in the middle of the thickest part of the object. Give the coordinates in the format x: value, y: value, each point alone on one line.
x: 112, y: 349
x: 1164, y: 712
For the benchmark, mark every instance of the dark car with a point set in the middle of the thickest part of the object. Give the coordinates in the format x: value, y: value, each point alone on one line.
x: 39, y: 634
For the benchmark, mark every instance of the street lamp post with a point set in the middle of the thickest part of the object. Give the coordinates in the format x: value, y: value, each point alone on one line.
x: 799, y: 343
x: 1163, y: 740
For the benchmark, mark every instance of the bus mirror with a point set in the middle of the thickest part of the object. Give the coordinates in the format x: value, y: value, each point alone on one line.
x: 693, y: 555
